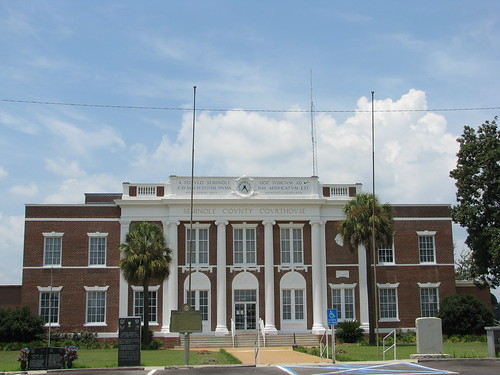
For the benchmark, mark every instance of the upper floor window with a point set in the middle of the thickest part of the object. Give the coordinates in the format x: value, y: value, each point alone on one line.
x: 292, y: 249
x: 97, y: 249
x: 197, y: 244
x: 386, y: 254
x: 426, y: 247
x: 244, y: 244
x: 52, y: 249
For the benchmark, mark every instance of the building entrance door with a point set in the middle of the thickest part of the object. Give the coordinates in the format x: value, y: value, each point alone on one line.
x: 245, y: 309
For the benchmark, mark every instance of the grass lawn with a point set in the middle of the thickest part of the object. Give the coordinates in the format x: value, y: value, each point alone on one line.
x: 356, y: 352
x: 99, y: 358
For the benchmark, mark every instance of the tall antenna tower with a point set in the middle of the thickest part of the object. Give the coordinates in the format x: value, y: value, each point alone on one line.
x: 313, y: 131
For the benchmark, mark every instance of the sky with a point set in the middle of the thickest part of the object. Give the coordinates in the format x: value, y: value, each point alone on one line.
x: 124, y: 73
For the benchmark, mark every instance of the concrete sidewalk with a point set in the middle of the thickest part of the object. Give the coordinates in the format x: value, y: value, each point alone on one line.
x: 274, y: 356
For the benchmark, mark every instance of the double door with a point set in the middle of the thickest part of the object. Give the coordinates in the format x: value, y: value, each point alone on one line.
x: 245, y: 309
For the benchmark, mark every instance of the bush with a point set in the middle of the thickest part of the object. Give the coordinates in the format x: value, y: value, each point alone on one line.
x: 349, y: 331
x: 464, y: 315
x: 20, y: 325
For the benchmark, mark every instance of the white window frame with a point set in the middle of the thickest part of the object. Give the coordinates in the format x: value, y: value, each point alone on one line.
x: 151, y: 289
x: 341, y: 312
x: 46, y: 238
x: 103, y: 290
x: 51, y: 291
x: 196, y: 251
x: 98, y: 235
x: 290, y: 228
x: 246, y: 251
x: 422, y: 234
x: 386, y: 250
x: 429, y: 286
x: 296, y: 306
x: 393, y: 287
x: 198, y: 305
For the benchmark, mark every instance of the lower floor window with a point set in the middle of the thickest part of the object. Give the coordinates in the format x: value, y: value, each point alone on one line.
x: 96, y: 307
x: 198, y: 299
x: 293, y: 304
x: 153, y: 305
x: 49, y: 307
x: 388, y: 303
x: 343, y: 301
x: 429, y: 302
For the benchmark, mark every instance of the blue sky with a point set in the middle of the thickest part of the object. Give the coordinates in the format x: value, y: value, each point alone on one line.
x: 251, y: 63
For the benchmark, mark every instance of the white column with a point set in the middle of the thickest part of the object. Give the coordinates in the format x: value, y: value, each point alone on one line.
x: 363, y: 291
x: 269, y: 324
x: 170, y: 286
x: 221, y: 327
x: 324, y: 283
x: 317, y: 279
x: 123, y: 302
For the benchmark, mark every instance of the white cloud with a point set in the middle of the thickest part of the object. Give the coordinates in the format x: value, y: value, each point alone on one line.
x: 64, y: 167
x: 3, y: 172
x: 11, y: 248
x: 24, y: 190
x: 414, y: 151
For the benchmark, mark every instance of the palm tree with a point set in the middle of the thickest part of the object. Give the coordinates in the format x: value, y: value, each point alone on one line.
x: 357, y: 229
x: 145, y: 258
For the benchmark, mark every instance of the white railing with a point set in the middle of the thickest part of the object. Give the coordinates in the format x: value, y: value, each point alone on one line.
x: 393, y: 333
x: 323, y: 349
x: 146, y: 190
x: 262, y: 331
x: 339, y: 191
x: 233, y: 330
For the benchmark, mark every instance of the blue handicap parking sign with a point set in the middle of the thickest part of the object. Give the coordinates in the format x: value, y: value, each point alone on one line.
x: 332, y: 317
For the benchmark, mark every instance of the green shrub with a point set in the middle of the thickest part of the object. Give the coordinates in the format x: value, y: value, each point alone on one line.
x: 20, y: 325
x: 464, y: 315
x: 408, y: 337
x: 349, y: 331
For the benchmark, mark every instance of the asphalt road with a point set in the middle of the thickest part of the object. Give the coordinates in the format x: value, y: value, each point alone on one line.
x: 435, y: 367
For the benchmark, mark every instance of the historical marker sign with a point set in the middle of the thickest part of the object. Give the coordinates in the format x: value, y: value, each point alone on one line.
x: 129, y: 342
x: 46, y: 358
x: 186, y: 320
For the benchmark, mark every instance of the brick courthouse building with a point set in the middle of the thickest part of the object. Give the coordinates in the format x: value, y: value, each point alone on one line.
x: 263, y: 250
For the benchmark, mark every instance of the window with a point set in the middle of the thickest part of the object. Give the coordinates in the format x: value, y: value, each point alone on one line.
x: 96, y: 305
x: 199, y: 245
x: 52, y: 249
x: 291, y: 245
x: 426, y: 247
x: 153, y: 304
x: 429, y: 299
x: 97, y: 249
x: 343, y: 301
x: 292, y: 304
x: 50, y: 299
x: 198, y: 299
x: 388, y: 301
x: 244, y: 245
x: 386, y: 254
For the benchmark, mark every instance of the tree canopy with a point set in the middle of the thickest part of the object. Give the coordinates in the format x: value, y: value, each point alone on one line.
x: 146, y: 258
x: 357, y: 229
x: 477, y: 176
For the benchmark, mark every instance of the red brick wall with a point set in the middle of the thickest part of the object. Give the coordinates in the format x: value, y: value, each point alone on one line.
x: 10, y: 296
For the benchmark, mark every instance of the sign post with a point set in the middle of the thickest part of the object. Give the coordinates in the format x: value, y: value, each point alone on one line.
x: 186, y: 321
x: 332, y: 322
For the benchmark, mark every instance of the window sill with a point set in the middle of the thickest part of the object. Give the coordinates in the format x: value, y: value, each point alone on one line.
x: 52, y: 325
x: 95, y: 324
x: 389, y: 320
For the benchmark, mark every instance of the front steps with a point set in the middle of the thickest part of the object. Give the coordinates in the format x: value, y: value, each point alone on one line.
x: 248, y: 339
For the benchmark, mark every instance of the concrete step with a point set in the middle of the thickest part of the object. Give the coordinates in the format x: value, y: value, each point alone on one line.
x: 248, y: 339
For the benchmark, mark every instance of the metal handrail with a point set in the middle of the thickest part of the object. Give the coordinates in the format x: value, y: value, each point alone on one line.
x: 257, y: 342
x: 321, y: 348
x: 262, y: 331
x: 393, y: 332
x: 233, y: 330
